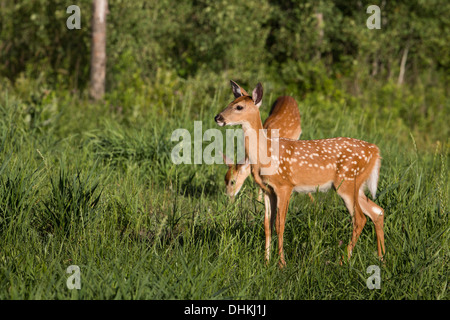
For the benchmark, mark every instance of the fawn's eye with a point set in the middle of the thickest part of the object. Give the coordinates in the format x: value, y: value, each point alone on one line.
x: 233, y: 182
x: 239, y: 107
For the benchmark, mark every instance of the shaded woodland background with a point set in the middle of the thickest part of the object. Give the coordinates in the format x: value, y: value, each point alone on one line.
x: 303, y: 46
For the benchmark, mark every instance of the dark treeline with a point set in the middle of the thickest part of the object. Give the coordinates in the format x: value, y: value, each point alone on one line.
x: 297, y: 42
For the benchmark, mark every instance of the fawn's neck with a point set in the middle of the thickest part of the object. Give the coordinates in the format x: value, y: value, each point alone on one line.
x: 255, y: 140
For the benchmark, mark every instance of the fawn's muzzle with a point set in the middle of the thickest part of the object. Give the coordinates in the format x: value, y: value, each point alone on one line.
x: 219, y: 120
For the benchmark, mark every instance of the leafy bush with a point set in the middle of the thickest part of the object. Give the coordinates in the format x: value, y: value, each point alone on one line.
x: 189, y: 37
x: 71, y: 204
x: 18, y: 193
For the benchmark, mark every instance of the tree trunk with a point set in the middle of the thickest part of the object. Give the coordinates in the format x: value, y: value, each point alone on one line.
x: 98, y: 49
x: 401, y: 74
x: 320, y: 33
x: 374, y: 65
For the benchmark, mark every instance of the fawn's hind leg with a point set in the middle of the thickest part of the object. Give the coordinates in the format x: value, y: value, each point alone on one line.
x: 376, y: 214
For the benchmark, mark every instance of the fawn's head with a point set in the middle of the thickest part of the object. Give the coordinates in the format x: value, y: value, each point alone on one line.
x: 235, y: 176
x: 243, y: 109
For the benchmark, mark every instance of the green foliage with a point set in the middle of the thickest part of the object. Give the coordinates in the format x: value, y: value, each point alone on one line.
x: 18, y: 194
x: 72, y: 202
x: 241, y: 37
x: 93, y: 184
x: 102, y: 193
x: 35, y: 41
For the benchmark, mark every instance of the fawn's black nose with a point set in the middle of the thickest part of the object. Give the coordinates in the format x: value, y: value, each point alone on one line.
x: 219, y: 119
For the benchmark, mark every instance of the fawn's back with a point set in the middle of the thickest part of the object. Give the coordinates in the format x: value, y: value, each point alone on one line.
x: 308, y: 165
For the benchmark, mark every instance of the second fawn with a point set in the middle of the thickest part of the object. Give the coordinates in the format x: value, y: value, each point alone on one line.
x: 348, y: 165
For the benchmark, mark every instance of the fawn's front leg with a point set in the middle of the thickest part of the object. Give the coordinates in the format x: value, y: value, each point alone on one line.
x: 283, y: 197
x: 270, y: 203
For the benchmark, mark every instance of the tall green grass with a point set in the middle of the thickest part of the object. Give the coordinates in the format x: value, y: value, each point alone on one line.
x: 96, y: 188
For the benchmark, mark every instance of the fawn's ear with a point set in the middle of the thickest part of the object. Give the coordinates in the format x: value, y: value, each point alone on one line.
x: 237, y: 90
x: 247, y: 163
x: 257, y: 95
x: 226, y: 160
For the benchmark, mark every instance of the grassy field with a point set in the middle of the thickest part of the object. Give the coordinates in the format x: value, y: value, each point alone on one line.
x: 90, y: 185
